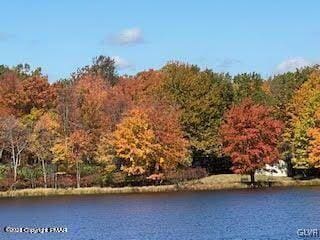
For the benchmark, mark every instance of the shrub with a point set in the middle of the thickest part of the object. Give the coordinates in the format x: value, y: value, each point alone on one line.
x: 138, y: 180
x: 29, y: 174
x: 185, y: 174
x: 118, y: 179
x: 90, y: 180
x: 3, y: 171
x: 66, y: 181
x: 106, y: 179
x: 6, y: 184
x: 87, y: 169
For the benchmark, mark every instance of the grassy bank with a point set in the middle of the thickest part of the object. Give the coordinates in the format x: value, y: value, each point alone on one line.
x: 215, y: 182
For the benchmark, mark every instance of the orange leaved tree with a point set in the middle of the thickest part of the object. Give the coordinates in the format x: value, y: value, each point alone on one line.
x: 250, y: 137
x: 80, y: 144
x: 150, y: 141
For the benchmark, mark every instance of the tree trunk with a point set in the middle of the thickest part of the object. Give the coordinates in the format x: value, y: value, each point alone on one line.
x: 15, y: 166
x: 55, y: 177
x: 1, y: 152
x: 78, y: 173
x: 55, y: 180
x: 14, y: 162
x: 252, y: 180
x: 44, y: 173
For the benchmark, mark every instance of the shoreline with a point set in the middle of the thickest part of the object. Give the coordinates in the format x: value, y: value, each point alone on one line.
x: 212, y: 183
x: 46, y: 192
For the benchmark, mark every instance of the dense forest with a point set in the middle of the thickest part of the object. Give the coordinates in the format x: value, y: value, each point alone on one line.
x: 180, y: 122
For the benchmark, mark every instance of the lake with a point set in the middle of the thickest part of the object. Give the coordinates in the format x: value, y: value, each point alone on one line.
x: 239, y: 214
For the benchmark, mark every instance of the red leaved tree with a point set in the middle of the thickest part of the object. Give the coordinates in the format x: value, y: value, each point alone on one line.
x: 22, y: 93
x: 250, y: 136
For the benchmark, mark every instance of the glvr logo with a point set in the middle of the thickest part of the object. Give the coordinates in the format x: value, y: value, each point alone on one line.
x: 309, y: 232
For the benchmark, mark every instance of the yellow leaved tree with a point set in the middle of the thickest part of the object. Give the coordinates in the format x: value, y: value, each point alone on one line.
x: 149, y: 140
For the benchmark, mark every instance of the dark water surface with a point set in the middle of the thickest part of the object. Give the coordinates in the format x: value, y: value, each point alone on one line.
x: 241, y: 214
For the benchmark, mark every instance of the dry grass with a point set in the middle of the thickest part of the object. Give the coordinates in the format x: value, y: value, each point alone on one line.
x: 85, y: 191
x: 215, y: 182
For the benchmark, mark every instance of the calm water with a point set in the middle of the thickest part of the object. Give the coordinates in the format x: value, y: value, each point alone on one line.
x: 245, y: 214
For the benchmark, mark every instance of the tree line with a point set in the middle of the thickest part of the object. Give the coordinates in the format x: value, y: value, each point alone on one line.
x: 178, y: 122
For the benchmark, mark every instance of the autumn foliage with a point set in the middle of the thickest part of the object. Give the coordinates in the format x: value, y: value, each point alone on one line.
x: 150, y: 142
x: 153, y: 126
x: 250, y: 137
